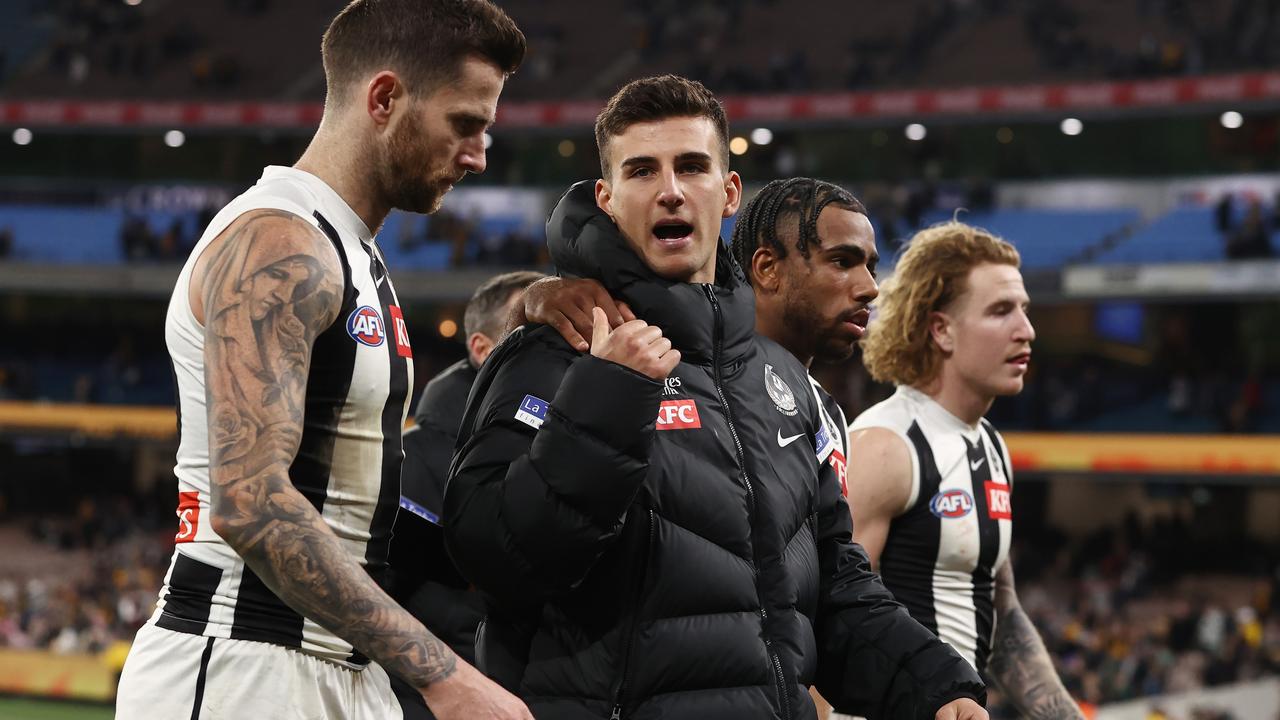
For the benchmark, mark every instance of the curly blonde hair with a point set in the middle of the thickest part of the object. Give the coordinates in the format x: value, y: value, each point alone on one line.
x: 898, y: 347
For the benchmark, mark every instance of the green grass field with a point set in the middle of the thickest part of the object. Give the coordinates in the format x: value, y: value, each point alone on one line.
x: 23, y: 709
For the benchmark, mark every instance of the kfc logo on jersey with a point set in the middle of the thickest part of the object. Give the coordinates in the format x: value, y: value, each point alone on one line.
x: 365, y: 326
x: 678, y: 415
x: 951, y: 504
x: 399, y: 332
x: 188, y: 516
x: 999, y: 506
x: 842, y: 471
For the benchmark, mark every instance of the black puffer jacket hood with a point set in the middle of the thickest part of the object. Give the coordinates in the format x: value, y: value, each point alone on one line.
x: 584, y: 242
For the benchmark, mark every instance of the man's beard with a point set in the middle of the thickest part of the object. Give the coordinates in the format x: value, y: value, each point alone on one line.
x: 822, y: 335
x: 407, y: 154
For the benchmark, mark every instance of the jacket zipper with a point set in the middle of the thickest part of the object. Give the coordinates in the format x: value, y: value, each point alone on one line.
x: 717, y: 350
x: 621, y: 687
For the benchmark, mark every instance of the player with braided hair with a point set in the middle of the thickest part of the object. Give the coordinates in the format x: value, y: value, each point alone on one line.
x: 809, y: 251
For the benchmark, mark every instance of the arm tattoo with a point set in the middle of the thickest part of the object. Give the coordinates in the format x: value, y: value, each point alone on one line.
x: 1019, y: 662
x: 271, y: 286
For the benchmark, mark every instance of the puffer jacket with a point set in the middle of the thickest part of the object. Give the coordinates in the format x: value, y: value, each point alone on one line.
x: 667, y: 549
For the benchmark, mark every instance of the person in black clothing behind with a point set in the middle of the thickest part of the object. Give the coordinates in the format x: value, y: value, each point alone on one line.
x: 646, y: 521
x: 425, y: 581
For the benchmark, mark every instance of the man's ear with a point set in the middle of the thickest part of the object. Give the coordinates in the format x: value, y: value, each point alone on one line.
x: 765, y: 270
x: 733, y: 193
x: 478, y: 348
x: 383, y: 95
x: 942, y: 330
x: 604, y: 198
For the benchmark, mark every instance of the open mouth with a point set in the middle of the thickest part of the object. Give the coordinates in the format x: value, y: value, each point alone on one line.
x: 857, y: 321
x: 1021, y: 359
x: 672, y: 230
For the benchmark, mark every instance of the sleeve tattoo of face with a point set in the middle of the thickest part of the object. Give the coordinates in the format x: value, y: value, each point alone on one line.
x: 268, y: 296
x: 267, y: 302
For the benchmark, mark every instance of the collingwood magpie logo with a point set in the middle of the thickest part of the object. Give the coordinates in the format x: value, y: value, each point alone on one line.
x: 779, y: 392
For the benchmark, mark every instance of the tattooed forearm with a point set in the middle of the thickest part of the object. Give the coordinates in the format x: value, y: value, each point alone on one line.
x: 1019, y: 662
x: 271, y: 286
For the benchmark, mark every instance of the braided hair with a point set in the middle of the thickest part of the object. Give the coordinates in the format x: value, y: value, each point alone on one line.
x: 802, y: 198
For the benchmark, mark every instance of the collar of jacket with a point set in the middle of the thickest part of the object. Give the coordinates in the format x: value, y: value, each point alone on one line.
x: 584, y: 242
x: 444, y: 398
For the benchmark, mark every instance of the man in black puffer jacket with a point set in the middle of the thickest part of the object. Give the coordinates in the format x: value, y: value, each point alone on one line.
x: 652, y: 538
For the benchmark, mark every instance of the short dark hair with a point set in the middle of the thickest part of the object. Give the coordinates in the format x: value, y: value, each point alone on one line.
x: 425, y: 41
x: 484, y: 310
x: 658, y: 98
x: 801, y: 198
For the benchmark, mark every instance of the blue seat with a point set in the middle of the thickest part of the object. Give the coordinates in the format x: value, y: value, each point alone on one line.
x: 60, y: 234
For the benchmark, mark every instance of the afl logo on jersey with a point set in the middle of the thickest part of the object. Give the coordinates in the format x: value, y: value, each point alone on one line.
x: 365, y: 325
x: 951, y: 504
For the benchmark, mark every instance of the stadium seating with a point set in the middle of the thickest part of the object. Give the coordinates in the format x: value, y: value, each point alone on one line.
x: 1049, y: 238
x: 1185, y: 234
x: 57, y: 234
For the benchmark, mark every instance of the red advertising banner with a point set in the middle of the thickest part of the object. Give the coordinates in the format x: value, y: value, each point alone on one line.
x: 972, y: 102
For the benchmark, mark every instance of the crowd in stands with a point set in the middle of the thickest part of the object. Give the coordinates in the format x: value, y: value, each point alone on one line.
x: 99, y: 40
x: 470, y: 243
x: 1136, y: 611
x: 1248, y: 237
x: 97, y: 585
x: 94, y: 41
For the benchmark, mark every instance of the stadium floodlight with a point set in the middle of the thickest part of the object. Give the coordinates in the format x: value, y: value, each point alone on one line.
x: 448, y: 328
x: 915, y: 132
x: 1231, y: 120
x: 175, y: 138
x: 488, y: 141
x: 132, y: 2
x: 1071, y: 126
x: 739, y: 145
x: 22, y: 136
x: 762, y: 136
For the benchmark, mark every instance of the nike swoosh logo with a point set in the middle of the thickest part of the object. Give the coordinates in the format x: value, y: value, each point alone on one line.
x: 783, y: 442
x: 975, y: 464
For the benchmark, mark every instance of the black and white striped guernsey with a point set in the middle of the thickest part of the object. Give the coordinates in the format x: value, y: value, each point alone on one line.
x: 348, y: 462
x: 944, y: 548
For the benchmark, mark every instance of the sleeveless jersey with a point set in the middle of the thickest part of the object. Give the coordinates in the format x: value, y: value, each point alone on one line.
x: 348, y: 461
x: 944, y: 548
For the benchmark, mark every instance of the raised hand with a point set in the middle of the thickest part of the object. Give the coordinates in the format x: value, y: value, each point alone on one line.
x: 634, y: 344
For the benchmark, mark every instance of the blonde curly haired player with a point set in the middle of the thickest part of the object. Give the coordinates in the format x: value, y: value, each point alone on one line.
x: 930, y: 479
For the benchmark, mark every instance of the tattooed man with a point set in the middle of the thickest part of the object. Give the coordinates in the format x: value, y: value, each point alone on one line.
x: 930, y: 491
x: 293, y: 370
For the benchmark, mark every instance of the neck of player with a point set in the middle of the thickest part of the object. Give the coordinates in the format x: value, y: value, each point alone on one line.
x: 957, y: 397
x: 771, y: 324
x: 342, y: 167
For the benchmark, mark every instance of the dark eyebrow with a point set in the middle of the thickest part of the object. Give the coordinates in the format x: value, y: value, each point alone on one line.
x: 639, y: 160
x: 650, y: 160
x: 700, y: 156
x: 856, y: 251
x: 471, y: 118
